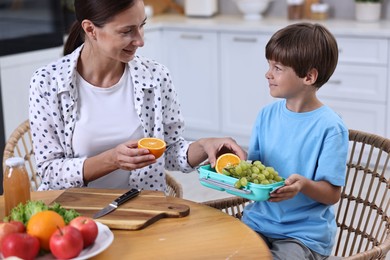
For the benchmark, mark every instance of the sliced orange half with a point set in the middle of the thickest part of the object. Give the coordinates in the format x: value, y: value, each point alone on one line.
x: 155, y: 146
x: 226, y: 160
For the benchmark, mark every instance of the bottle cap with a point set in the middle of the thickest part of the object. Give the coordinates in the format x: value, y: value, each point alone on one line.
x: 319, y: 8
x: 14, y: 161
x: 295, y: 2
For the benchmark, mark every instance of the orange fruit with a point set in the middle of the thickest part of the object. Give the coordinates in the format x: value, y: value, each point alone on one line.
x: 43, y: 224
x: 226, y: 160
x: 155, y: 146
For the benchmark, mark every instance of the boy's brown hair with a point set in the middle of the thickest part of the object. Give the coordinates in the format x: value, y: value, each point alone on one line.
x: 304, y: 46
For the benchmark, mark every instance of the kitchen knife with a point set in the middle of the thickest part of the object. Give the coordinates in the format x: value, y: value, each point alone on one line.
x: 117, y: 202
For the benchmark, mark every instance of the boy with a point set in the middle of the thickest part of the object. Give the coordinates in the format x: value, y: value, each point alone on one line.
x: 305, y: 141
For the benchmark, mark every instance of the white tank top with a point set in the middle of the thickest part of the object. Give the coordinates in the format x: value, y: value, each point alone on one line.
x: 106, y: 118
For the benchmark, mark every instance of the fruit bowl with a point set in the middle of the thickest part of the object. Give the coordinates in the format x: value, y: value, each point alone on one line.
x: 252, y: 9
x: 256, y: 192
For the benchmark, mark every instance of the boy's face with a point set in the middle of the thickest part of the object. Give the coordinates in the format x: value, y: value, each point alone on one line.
x: 283, y: 81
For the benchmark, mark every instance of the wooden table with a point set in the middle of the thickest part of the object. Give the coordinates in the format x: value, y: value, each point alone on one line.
x: 206, y: 233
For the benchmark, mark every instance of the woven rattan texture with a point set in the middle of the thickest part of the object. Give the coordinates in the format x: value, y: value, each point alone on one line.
x: 362, y: 214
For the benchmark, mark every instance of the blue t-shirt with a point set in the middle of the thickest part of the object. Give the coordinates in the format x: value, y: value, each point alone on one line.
x: 313, y: 144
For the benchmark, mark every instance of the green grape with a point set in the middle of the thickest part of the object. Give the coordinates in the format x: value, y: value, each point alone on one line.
x: 257, y: 163
x: 244, y: 165
x: 244, y: 181
x: 270, y: 169
x: 238, y: 169
x: 252, y: 172
x: 265, y: 182
x: 255, y: 169
x: 232, y: 171
x: 225, y: 172
x: 278, y: 178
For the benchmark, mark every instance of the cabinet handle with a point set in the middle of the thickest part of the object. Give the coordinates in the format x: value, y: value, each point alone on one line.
x: 191, y: 37
x: 240, y: 39
x: 335, y: 82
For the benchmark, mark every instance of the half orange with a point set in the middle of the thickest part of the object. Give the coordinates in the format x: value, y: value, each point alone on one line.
x: 225, y: 160
x: 155, y: 146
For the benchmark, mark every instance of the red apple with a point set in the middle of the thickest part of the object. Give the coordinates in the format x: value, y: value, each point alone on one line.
x: 66, y: 242
x: 88, y: 228
x: 20, y: 226
x: 5, y: 229
x: 21, y: 245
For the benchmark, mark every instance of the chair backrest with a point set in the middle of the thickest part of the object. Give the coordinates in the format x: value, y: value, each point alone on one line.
x: 362, y: 214
x: 20, y: 144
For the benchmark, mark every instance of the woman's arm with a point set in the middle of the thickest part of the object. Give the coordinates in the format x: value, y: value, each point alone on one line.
x: 210, y: 148
x: 48, y: 122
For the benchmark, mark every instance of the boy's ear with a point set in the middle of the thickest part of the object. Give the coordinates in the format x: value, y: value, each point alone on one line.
x: 311, y: 77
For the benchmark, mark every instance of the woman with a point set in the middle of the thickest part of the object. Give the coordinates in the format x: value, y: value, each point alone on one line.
x: 88, y: 109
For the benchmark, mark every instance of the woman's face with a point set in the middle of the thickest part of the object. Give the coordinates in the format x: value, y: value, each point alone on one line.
x: 120, y: 38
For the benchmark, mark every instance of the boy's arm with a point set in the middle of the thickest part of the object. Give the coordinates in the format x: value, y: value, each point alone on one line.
x: 321, y: 191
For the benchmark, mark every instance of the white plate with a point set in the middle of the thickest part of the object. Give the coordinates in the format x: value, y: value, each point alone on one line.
x: 103, y: 240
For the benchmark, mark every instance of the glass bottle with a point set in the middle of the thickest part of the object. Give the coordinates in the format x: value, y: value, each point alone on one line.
x: 16, y: 183
x: 295, y: 9
x: 308, y: 5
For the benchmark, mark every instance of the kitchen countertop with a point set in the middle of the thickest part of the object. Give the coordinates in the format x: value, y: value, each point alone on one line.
x: 236, y: 23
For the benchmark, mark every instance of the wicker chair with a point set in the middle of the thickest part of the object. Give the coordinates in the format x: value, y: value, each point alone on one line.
x: 362, y: 214
x: 20, y: 144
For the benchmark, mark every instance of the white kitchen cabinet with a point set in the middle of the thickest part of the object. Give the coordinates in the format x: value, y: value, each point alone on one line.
x: 356, y: 82
x: 362, y: 50
x: 192, y: 58
x: 364, y: 117
x: 15, y: 73
x: 153, y: 47
x: 218, y: 70
x: 244, y: 88
x: 220, y: 78
x: 358, y: 88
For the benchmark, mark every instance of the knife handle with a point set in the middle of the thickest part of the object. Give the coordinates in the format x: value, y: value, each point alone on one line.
x: 126, y: 196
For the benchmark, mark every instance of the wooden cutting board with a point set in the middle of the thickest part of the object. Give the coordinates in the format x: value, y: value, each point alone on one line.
x: 135, y: 214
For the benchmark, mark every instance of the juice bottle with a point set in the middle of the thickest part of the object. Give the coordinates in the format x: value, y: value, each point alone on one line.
x: 16, y: 183
x: 308, y: 12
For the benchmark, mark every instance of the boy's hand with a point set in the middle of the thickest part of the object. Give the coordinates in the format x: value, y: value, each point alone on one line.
x: 293, y: 185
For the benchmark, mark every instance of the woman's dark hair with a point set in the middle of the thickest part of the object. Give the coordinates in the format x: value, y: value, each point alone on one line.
x: 99, y: 12
x: 305, y: 46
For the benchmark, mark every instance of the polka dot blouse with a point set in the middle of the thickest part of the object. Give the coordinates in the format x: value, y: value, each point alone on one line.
x: 53, y: 113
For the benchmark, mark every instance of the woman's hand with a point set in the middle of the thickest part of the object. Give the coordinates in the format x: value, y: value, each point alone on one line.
x: 210, y: 148
x: 125, y: 156
x: 128, y: 156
